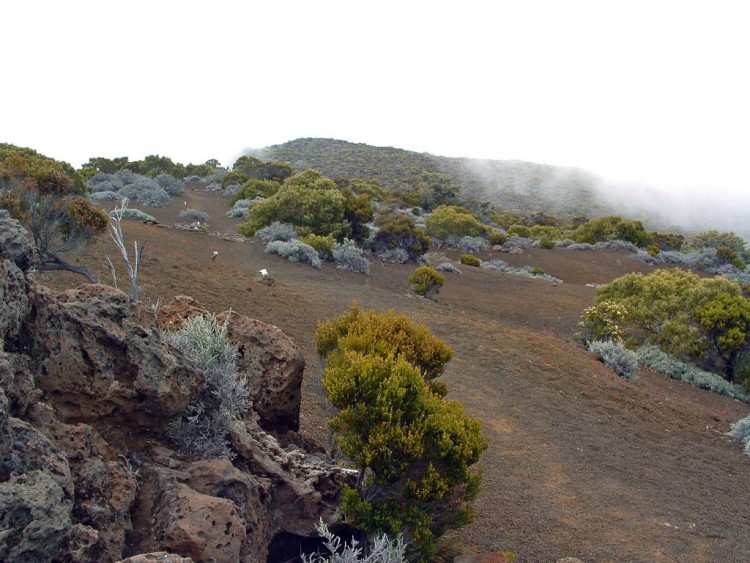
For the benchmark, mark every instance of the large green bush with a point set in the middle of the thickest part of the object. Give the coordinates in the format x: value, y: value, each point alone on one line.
x: 612, y: 228
x: 449, y: 220
x: 701, y: 319
x: 401, y: 232
x: 413, y: 449
x: 309, y: 201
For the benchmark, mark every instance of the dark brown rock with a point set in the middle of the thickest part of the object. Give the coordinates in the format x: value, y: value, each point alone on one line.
x: 274, y: 366
x: 100, y: 365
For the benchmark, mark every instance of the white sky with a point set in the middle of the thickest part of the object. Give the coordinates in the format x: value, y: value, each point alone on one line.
x: 656, y: 91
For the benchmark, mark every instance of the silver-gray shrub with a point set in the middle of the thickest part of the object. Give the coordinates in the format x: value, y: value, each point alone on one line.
x: 203, y: 428
x: 232, y: 189
x: 241, y: 207
x: 238, y: 213
x: 127, y: 176
x: 348, y: 256
x: 517, y: 242
x: 144, y: 190
x: 382, y: 549
x: 447, y: 267
x: 194, y: 215
x: 277, y: 231
x: 170, y: 184
x: 97, y: 197
x: 468, y: 244
x: 615, y: 356
x: 667, y: 364
x: 295, y: 251
x: 102, y: 182
x: 526, y: 271
x: 132, y: 213
x: 741, y: 431
x: 398, y: 255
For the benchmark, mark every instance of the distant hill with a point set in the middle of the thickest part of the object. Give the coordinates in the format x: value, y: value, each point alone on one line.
x: 512, y: 184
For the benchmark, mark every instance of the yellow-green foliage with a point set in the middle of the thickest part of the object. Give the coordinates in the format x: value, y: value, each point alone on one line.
x: 256, y: 188
x: 519, y: 231
x: 426, y: 281
x: 322, y: 244
x: 612, y: 228
x: 705, y: 319
x: 449, y: 220
x: 309, y: 201
x: 470, y: 260
x: 373, y: 332
x: 416, y: 448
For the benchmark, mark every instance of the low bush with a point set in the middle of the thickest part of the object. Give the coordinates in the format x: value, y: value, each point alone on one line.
x: 203, y: 428
x: 447, y: 267
x: 131, y: 213
x: 194, y: 215
x: 105, y: 183
x: 170, y: 184
x: 398, y: 255
x: 615, y: 356
x: 295, y: 251
x: 97, y: 197
x: 497, y: 239
x: 381, y: 549
x: 470, y: 260
x: 348, y: 256
x: 667, y: 364
x: 526, y: 271
x: 741, y: 431
x: 277, y: 231
x: 468, y: 244
x: 426, y: 281
x: 322, y: 244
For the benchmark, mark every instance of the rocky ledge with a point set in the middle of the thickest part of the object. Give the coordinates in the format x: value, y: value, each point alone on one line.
x: 88, y: 386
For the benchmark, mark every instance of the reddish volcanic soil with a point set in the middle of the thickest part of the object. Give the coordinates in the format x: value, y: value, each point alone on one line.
x: 580, y: 464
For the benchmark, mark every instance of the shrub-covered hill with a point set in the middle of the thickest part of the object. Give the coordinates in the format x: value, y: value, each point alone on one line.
x: 512, y: 184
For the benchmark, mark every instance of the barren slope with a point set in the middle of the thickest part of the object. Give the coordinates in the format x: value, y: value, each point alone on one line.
x: 580, y: 462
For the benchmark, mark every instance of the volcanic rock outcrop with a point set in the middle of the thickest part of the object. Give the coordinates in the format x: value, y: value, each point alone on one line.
x: 87, y: 389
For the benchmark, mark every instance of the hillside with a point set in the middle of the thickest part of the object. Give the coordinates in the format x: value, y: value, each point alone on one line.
x: 512, y: 184
x: 580, y: 463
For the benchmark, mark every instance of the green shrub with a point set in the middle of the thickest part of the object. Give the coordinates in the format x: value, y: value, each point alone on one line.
x: 612, y: 228
x: 322, y: 244
x: 401, y: 232
x: 413, y: 449
x: 252, y: 189
x: 497, y: 238
x: 449, y: 220
x: 547, y: 243
x: 470, y: 260
x: 519, y: 231
x: 426, y: 281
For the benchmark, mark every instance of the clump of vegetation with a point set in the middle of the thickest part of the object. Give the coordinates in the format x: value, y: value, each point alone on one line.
x: 170, y: 184
x: 447, y: 267
x: 615, y: 356
x: 194, y: 215
x: 255, y: 188
x: 45, y: 196
x: 400, y: 232
x: 670, y: 366
x: 468, y: 245
x: 426, y: 281
x: 413, y: 449
x: 277, y: 231
x: 612, y: 228
x: 202, y: 430
x: 348, y: 256
x: 381, y: 549
x: 449, y: 220
x: 701, y: 320
x: 603, y: 321
x: 295, y: 251
x: 323, y: 244
x: 526, y: 271
x: 741, y: 431
x: 469, y: 260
